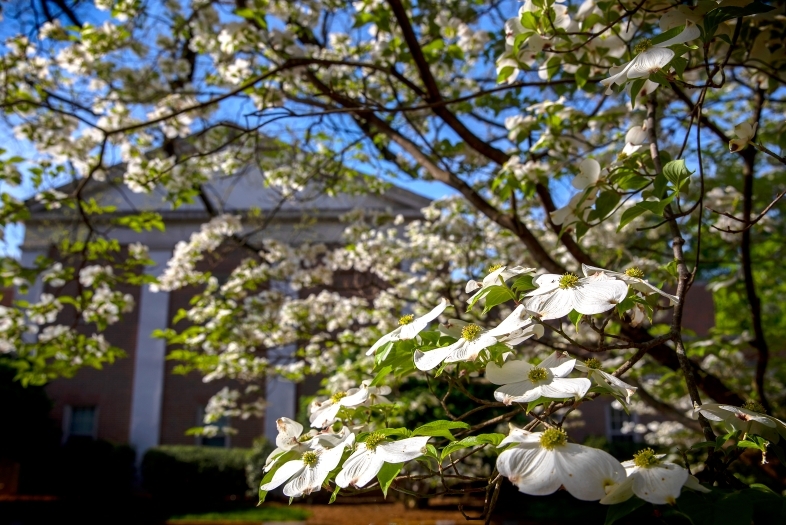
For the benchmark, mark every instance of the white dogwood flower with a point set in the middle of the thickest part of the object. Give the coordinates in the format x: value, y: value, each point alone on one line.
x: 472, y: 340
x: 524, y: 382
x: 291, y: 437
x: 634, y: 139
x: 750, y: 418
x: 744, y: 132
x: 634, y: 277
x: 410, y: 326
x: 606, y: 381
x: 323, y: 413
x: 306, y: 475
x: 369, y: 457
x: 557, y: 295
x: 652, y: 479
x: 650, y: 58
x: 542, y: 462
x: 497, y: 275
x: 589, y: 174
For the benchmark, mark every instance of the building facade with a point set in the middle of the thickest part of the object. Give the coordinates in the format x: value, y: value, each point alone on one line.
x: 138, y: 400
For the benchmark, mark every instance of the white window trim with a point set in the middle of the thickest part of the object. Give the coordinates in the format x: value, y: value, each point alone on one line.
x: 68, y: 415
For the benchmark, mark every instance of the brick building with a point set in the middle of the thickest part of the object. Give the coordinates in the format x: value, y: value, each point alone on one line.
x: 137, y: 400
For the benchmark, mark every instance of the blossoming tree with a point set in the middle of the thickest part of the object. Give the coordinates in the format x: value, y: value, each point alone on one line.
x: 665, y: 117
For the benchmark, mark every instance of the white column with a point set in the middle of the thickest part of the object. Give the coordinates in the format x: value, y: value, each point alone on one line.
x: 35, y: 289
x: 149, y: 364
x: 280, y: 394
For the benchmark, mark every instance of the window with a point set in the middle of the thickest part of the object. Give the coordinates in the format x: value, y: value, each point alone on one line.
x: 617, y: 420
x: 219, y: 440
x: 80, y: 421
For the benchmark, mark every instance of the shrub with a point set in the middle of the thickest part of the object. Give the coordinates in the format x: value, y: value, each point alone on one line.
x: 95, y: 468
x: 255, y: 468
x: 177, y: 474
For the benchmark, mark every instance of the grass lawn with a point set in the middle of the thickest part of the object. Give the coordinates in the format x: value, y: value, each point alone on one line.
x: 266, y: 513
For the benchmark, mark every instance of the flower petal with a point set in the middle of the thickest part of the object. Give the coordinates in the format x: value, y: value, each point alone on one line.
x: 691, y: 32
x: 599, y: 296
x: 288, y: 432
x: 590, y: 173
x: 432, y: 359
x: 650, y: 61
x: 558, y: 304
x: 661, y: 484
x: 412, y: 329
x: 402, y: 450
x: 284, y: 472
x: 586, y: 472
x: 557, y: 360
x: 324, y: 416
x: 531, y: 469
x: 470, y: 350
x: 560, y: 388
x: 521, y: 392
x: 619, y: 493
x: 509, y: 372
x: 359, y: 468
x: 391, y: 336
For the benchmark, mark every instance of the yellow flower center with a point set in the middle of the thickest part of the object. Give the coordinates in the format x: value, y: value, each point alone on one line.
x: 645, y: 458
x: 537, y: 374
x: 753, y: 406
x: 373, y: 441
x: 635, y: 272
x: 406, y: 319
x: 643, y: 46
x: 552, y: 438
x: 470, y: 332
x: 622, y: 156
x: 310, y: 458
x: 304, y: 438
x: 568, y: 280
x: 592, y: 363
x: 338, y: 396
x: 494, y: 267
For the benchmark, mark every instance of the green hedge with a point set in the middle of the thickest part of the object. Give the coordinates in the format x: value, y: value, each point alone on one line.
x: 177, y: 474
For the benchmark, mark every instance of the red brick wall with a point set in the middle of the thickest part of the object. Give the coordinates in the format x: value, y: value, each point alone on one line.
x: 108, y: 388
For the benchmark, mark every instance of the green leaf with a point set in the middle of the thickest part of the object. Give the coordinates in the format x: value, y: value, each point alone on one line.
x: 671, y: 33
x: 606, y: 203
x: 387, y: 474
x: 440, y: 428
x: 635, y: 88
x: 433, y: 47
x: 529, y: 21
x: 333, y: 496
x: 621, y: 510
x: 383, y: 373
x: 472, y: 441
x: 676, y: 173
x: 575, y: 318
x: 628, y: 215
x: 523, y: 283
x: 497, y: 295
x: 504, y: 73
x: 582, y: 75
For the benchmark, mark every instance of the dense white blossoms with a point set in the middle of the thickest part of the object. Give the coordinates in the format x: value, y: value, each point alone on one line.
x: 651, y: 479
x: 542, y: 462
x: 373, y: 453
x: 306, y: 475
x: 651, y: 58
x: 557, y: 295
x: 749, y: 418
x: 524, y: 382
x: 410, y: 326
